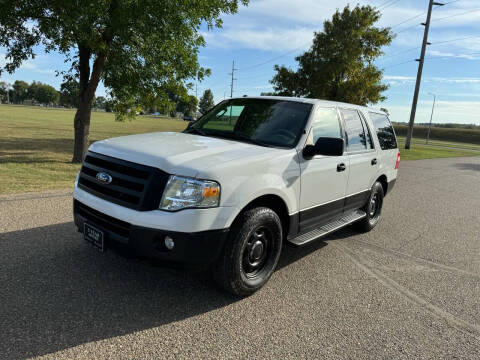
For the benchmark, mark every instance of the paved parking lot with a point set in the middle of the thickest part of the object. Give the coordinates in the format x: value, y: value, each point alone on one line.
x: 408, y: 289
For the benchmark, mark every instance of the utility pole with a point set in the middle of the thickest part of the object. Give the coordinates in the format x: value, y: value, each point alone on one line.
x: 431, y: 117
x: 419, y: 73
x: 233, y: 79
x: 196, y: 90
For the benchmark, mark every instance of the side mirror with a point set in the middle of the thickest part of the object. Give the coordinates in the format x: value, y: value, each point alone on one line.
x: 324, y: 146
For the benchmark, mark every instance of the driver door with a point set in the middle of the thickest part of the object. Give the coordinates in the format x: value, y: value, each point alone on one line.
x: 323, y: 178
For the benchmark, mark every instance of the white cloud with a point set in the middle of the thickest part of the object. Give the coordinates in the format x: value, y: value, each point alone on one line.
x: 443, y: 54
x: 262, y: 87
x: 433, y: 79
x: 276, y: 39
x: 305, y: 11
x: 445, y: 111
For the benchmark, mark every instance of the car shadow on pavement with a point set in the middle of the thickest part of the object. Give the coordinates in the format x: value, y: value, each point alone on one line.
x: 291, y: 254
x: 57, y: 292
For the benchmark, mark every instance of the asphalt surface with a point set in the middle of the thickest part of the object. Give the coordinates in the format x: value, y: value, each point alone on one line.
x: 408, y: 289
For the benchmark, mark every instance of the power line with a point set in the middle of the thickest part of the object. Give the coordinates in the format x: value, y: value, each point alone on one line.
x: 417, y: 16
x: 452, y: 56
x: 407, y: 20
x: 431, y: 44
x: 386, y: 5
x: 401, y: 52
x: 455, y: 15
x: 458, y: 39
x: 404, y: 62
x: 274, y: 58
x: 451, y: 2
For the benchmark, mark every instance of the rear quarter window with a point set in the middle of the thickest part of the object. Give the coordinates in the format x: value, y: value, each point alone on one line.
x: 384, y: 129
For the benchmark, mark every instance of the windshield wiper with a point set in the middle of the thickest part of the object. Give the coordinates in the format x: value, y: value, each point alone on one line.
x: 241, y: 136
x: 195, y: 130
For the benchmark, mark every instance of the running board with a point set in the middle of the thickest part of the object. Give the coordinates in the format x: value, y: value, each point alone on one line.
x: 328, y: 228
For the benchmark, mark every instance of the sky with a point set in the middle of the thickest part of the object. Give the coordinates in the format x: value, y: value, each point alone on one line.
x: 270, y: 32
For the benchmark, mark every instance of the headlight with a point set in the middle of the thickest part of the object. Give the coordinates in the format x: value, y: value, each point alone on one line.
x: 182, y: 192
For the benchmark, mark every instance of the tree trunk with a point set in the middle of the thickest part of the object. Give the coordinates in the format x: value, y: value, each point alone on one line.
x: 82, y: 129
x: 88, y: 86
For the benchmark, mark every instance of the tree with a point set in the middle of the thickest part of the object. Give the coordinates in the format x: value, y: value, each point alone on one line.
x: 206, y: 101
x: 134, y: 47
x: 33, y: 89
x: 188, y: 106
x: 3, y: 91
x: 42, y: 93
x: 69, y: 91
x: 20, y: 91
x: 100, y: 102
x: 47, y: 94
x: 339, y: 64
x: 109, y: 105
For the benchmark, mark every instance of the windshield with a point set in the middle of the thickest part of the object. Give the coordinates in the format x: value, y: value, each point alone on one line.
x: 264, y: 122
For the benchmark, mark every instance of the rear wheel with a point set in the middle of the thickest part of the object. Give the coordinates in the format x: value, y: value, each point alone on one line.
x: 251, y: 252
x: 373, y: 208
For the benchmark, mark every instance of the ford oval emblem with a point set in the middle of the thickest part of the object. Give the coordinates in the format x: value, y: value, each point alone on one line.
x: 104, y: 178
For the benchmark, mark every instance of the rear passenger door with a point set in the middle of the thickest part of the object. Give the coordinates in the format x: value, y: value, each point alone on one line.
x: 362, y: 158
x: 388, y: 150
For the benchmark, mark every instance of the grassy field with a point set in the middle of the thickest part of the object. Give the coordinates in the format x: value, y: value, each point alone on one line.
x: 36, y: 145
x: 418, y: 150
x: 471, y: 136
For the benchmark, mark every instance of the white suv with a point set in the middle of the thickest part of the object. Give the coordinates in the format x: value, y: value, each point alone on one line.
x: 250, y: 175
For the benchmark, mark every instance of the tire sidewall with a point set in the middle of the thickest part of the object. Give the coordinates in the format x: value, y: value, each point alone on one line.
x: 255, y: 218
x: 377, y: 188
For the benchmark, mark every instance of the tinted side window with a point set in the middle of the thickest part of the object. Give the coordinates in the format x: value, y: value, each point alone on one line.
x: 356, y: 139
x: 384, y: 129
x: 367, y: 132
x: 325, y: 124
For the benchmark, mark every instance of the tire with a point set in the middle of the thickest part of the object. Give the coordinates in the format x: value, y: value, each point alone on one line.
x: 251, y: 252
x: 373, y: 208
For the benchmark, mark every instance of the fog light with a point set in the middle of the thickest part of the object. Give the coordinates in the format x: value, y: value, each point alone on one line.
x: 169, y: 243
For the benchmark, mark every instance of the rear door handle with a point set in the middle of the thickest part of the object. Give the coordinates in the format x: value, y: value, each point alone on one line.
x: 341, y: 167
x: 374, y: 161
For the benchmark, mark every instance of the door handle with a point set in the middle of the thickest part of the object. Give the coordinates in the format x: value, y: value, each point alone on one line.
x: 341, y: 167
x: 374, y: 161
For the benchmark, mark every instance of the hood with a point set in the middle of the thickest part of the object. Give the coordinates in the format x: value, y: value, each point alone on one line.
x: 177, y: 153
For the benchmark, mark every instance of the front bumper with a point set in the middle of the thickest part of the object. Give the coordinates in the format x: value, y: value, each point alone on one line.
x: 196, y: 248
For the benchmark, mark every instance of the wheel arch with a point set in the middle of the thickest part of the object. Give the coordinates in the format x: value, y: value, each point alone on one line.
x: 382, y: 179
x: 274, y: 202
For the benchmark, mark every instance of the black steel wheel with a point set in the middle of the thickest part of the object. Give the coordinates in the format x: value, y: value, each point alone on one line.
x: 373, y: 208
x: 251, y: 253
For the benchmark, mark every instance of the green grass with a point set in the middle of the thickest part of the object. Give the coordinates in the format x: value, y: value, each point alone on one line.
x: 36, y: 145
x: 420, y: 151
x: 451, y: 144
x: 461, y: 135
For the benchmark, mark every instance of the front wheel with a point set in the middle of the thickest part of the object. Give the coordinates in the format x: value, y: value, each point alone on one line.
x: 373, y: 208
x: 251, y: 252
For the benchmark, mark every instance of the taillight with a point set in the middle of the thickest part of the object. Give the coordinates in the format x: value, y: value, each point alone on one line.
x: 398, y: 161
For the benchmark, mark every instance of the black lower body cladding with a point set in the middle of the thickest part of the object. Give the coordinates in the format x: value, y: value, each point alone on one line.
x: 198, y: 248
